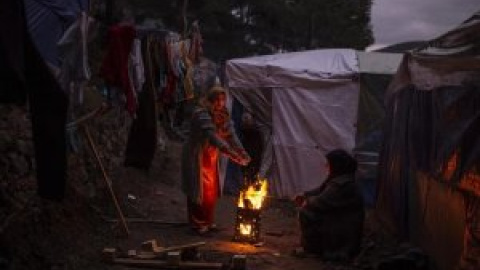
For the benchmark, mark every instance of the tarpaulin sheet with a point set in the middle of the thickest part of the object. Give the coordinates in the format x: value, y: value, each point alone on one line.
x: 47, y: 21
x: 23, y: 74
x: 432, y: 128
x: 438, y: 230
x: 310, y: 101
x: 307, y: 124
x: 292, y: 69
x: 369, y: 136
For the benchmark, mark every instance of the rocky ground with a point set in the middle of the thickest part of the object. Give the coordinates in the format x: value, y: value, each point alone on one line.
x: 41, y: 235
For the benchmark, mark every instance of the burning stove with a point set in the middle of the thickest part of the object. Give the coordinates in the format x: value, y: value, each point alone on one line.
x: 247, y: 225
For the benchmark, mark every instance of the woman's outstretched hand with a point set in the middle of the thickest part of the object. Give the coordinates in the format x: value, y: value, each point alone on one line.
x: 245, y: 159
x: 238, y: 157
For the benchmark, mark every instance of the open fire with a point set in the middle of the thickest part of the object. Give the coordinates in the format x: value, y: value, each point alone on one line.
x: 250, y: 202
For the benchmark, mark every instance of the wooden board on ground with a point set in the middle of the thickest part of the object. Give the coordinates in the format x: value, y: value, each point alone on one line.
x: 166, y: 265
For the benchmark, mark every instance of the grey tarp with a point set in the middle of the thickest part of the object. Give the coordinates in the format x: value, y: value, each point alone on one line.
x: 307, y: 116
x: 376, y: 72
x: 47, y: 21
x: 432, y: 128
x: 369, y: 137
x: 309, y: 99
x: 23, y: 75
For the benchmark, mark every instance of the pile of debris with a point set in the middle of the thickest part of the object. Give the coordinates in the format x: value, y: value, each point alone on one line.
x: 152, y: 255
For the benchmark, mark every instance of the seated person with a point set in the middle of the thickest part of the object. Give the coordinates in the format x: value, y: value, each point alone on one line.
x: 332, y: 215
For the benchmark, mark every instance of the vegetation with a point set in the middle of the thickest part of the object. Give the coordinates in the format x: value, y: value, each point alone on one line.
x: 236, y: 28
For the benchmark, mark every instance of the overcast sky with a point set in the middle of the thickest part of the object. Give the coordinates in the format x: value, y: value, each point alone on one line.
x: 397, y: 21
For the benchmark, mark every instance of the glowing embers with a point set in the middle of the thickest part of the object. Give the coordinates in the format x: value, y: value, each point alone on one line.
x: 250, y: 202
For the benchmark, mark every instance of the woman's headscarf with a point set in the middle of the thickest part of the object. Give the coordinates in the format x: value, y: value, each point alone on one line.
x: 341, y: 163
x: 216, y: 90
x: 220, y: 118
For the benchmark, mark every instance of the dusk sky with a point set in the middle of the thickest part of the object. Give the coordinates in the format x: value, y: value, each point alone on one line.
x: 396, y: 21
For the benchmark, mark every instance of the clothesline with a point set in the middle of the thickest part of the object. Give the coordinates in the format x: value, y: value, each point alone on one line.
x: 142, y: 32
x: 102, y: 110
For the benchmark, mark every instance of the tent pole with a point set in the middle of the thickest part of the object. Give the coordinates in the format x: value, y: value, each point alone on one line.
x: 107, y: 180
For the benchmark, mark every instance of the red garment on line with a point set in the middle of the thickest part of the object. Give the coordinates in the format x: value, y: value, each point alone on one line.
x: 167, y: 95
x: 114, y: 69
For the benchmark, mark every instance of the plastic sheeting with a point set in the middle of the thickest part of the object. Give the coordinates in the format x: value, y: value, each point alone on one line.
x: 292, y: 69
x: 48, y: 20
x: 309, y: 99
x: 307, y: 124
x: 424, y: 130
x: 369, y: 138
x: 439, y: 230
x: 23, y: 73
x: 432, y: 129
x: 379, y: 63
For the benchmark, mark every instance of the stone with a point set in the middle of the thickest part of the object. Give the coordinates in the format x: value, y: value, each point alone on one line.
x: 19, y: 164
x: 24, y: 147
x: 132, y: 253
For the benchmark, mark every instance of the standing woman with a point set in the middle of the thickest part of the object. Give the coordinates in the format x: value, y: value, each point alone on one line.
x: 211, y: 133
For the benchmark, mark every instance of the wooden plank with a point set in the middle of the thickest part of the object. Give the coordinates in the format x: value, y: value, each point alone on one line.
x: 165, y: 265
x: 159, y: 252
x: 151, y: 246
x: 144, y: 220
x: 180, y: 247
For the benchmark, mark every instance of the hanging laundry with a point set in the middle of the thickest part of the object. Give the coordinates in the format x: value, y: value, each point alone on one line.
x: 196, y: 50
x: 142, y: 139
x: 47, y: 21
x: 171, y: 82
x: 114, y: 69
x: 48, y: 103
x: 137, y: 67
x: 188, y: 78
x: 75, y: 71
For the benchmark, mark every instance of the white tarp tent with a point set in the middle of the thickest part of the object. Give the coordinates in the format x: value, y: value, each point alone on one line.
x: 307, y: 104
x: 309, y: 101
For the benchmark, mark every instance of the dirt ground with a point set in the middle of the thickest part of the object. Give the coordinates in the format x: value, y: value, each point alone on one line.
x: 157, y: 196
x: 73, y: 234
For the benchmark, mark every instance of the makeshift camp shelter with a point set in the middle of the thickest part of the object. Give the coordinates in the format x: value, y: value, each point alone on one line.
x: 48, y: 21
x: 310, y: 102
x: 430, y: 163
x: 307, y: 99
x: 376, y: 73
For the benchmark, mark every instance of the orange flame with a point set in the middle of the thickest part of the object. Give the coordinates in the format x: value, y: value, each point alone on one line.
x: 245, y: 229
x: 255, y: 195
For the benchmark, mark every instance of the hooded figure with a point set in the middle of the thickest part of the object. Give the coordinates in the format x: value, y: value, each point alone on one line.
x: 211, y: 133
x: 332, y: 215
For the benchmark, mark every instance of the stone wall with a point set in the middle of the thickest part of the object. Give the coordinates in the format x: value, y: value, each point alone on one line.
x: 17, y: 167
x: 16, y: 153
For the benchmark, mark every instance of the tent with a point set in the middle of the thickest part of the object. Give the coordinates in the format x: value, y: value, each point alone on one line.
x: 309, y: 103
x: 429, y: 183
